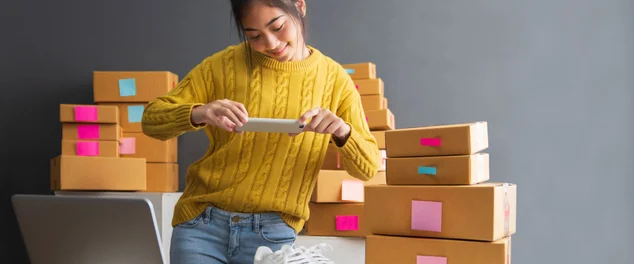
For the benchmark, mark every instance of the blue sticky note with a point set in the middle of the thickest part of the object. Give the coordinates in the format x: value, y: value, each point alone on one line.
x: 135, y: 113
x: 350, y: 71
x: 127, y: 87
x: 426, y: 170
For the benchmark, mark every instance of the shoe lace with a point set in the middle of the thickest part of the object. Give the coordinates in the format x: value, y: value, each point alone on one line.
x: 290, y: 255
x: 316, y: 253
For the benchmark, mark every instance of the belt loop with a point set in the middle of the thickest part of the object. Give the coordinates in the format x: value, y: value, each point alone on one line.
x: 207, y: 215
x: 256, y: 223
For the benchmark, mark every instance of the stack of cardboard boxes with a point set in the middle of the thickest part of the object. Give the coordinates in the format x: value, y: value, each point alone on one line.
x: 438, y: 206
x: 338, y: 199
x: 103, y: 147
x: 337, y: 205
x: 130, y: 92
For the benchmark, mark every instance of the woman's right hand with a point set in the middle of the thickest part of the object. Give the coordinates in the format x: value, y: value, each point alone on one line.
x: 224, y: 113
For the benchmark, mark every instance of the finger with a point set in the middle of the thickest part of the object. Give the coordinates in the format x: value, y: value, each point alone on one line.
x: 244, y: 116
x: 334, y: 126
x: 326, y: 119
x: 226, y: 124
x: 310, y: 113
x: 227, y: 112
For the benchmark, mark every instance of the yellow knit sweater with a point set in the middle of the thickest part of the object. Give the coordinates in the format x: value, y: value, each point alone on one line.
x: 262, y: 172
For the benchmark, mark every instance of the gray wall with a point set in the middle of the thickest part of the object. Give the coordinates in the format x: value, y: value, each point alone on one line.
x: 553, y: 79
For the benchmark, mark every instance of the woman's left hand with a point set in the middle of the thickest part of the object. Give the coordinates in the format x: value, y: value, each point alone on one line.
x: 325, y: 122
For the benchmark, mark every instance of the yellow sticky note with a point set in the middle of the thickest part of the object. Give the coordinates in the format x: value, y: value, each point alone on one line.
x: 352, y: 190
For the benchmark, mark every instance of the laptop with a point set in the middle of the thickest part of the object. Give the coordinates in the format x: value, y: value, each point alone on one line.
x: 81, y: 229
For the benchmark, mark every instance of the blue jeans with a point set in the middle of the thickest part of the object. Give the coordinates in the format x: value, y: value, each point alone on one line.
x: 217, y: 236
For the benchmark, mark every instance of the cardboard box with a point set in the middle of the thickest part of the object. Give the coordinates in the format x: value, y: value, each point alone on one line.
x: 130, y: 115
x: 373, y: 102
x: 457, y: 139
x: 380, y: 120
x: 484, y: 212
x: 337, y: 186
x: 358, y: 71
x: 71, y: 113
x: 370, y: 86
x: 90, y: 148
x: 98, y: 173
x: 392, y: 249
x: 380, y: 138
x: 132, y: 86
x: 332, y: 160
x: 464, y: 169
x: 81, y: 131
x: 162, y: 177
x: 328, y: 219
x: 153, y: 150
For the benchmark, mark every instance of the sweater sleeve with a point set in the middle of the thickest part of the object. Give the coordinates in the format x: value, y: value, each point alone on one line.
x: 360, y: 155
x: 169, y: 115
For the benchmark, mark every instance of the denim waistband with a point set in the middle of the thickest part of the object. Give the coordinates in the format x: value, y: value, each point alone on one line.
x: 212, y: 212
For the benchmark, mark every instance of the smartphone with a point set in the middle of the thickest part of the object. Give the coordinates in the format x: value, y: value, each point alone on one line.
x: 272, y: 125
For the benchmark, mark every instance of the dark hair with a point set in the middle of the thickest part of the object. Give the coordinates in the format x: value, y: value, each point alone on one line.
x: 239, y: 7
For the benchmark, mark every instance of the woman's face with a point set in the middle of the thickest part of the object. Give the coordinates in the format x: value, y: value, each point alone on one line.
x: 272, y: 32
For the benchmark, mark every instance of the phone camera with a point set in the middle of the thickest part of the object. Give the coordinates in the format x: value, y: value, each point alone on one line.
x: 301, y: 126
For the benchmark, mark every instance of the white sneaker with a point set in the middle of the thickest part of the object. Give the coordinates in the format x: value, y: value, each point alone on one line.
x: 286, y: 255
x: 316, y: 253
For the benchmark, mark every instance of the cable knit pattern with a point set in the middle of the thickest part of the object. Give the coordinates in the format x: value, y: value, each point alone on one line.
x: 248, y: 138
x: 272, y: 139
x: 235, y: 174
x: 318, y: 142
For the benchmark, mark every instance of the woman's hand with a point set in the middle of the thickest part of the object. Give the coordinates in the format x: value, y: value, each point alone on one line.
x: 325, y: 122
x: 224, y: 113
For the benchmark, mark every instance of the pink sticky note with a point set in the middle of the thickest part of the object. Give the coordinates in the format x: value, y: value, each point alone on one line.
x: 127, y: 146
x: 427, y: 216
x: 87, y: 148
x: 347, y: 222
x: 434, y: 142
x: 431, y: 260
x: 352, y: 190
x: 88, y: 131
x: 86, y: 113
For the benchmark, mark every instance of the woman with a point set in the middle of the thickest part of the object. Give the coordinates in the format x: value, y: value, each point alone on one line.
x: 252, y: 189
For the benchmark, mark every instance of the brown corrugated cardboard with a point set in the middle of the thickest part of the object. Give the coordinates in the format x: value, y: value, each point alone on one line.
x: 359, y: 71
x: 82, y: 131
x: 131, y: 86
x: 342, y: 220
x: 329, y: 186
x: 370, y: 86
x: 153, y: 150
x: 98, y: 173
x: 457, y: 139
x: 380, y: 138
x: 130, y: 115
x: 332, y: 159
x: 484, y: 212
x: 380, y: 120
x: 373, y: 102
x: 98, y: 148
x: 393, y: 249
x: 72, y: 113
x: 162, y: 177
x: 463, y: 169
